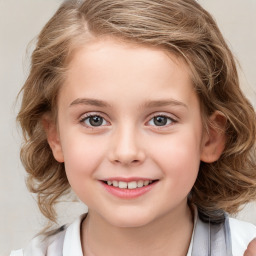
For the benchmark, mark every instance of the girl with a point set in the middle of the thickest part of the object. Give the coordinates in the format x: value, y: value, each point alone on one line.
x: 136, y: 106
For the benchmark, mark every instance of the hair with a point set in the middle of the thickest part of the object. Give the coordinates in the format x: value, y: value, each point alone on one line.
x: 181, y: 27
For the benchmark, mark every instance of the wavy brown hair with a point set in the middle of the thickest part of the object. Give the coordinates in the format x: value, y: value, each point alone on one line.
x: 181, y: 27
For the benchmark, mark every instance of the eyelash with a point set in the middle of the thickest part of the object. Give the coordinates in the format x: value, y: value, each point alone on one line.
x: 91, y: 115
x: 88, y: 117
x: 170, y: 119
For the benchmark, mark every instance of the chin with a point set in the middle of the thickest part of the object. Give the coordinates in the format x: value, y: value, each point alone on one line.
x: 130, y: 220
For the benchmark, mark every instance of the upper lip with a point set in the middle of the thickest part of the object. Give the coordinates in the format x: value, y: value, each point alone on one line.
x: 129, y: 179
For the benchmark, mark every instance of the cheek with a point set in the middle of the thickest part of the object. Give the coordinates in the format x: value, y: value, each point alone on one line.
x: 179, y: 157
x: 82, y: 155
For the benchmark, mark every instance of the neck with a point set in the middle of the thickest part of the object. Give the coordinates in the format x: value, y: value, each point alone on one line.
x: 167, y: 235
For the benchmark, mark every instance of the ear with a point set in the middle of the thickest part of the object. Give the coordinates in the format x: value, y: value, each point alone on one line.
x: 214, y: 139
x: 53, y: 137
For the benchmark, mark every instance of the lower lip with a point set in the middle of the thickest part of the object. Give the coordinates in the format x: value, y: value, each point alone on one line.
x: 128, y: 193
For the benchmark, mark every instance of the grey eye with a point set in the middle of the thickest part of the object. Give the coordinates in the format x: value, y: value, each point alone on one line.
x: 94, y: 121
x: 160, y: 121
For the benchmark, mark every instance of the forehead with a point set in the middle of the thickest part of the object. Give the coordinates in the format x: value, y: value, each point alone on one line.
x: 104, y: 49
x: 127, y: 69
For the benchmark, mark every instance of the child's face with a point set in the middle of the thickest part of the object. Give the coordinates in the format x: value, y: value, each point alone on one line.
x: 145, y: 124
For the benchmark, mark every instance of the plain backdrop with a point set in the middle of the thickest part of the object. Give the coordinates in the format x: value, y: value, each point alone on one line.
x: 20, y: 22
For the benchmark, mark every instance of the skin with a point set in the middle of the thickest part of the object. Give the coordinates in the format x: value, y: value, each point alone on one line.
x: 127, y: 86
x: 251, y: 249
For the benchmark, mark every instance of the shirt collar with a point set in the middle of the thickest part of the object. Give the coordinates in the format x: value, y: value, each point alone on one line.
x: 72, y: 242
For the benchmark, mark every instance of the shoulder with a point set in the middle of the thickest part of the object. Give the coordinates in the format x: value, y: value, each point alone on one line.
x: 241, y: 234
x: 17, y: 253
x: 42, y: 244
x: 65, y: 239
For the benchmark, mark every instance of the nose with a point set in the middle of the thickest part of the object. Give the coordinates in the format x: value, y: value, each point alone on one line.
x: 126, y: 147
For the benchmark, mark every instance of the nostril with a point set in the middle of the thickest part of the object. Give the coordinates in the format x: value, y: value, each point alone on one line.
x: 126, y: 154
x: 127, y: 162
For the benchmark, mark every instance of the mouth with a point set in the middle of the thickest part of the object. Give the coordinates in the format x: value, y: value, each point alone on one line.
x: 129, y: 185
x: 128, y: 188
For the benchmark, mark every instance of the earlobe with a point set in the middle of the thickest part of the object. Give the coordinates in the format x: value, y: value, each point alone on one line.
x: 53, y: 138
x: 214, y: 140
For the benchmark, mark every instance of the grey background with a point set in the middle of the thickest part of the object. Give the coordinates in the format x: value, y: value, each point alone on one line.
x: 20, y: 22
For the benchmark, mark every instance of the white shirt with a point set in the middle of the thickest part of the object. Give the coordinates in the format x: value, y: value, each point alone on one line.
x: 241, y: 234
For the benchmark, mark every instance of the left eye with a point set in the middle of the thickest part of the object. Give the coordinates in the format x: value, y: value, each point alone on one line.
x: 160, y: 121
x: 94, y: 121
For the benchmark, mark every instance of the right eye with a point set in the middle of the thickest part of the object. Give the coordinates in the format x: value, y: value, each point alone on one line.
x: 160, y: 121
x: 93, y: 121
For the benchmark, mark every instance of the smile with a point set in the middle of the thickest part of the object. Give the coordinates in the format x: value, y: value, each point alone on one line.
x: 128, y: 189
x: 129, y: 185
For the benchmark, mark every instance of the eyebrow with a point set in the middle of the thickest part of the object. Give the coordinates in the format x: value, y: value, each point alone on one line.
x: 163, y: 103
x: 148, y: 104
x: 87, y: 101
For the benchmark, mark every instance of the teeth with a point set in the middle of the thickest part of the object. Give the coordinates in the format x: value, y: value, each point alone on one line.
x: 129, y: 185
x: 146, y: 182
x: 122, y: 184
x: 132, y: 184
x: 140, y: 183
x: 115, y: 183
